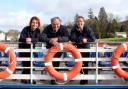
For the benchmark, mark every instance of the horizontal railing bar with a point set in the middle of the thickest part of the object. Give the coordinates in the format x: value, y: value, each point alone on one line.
x: 78, y: 77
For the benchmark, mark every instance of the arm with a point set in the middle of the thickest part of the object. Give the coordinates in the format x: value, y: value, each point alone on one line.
x: 75, y: 37
x: 23, y: 35
x: 64, y: 35
x: 91, y: 36
x: 87, y: 35
x: 44, y: 37
x: 36, y: 37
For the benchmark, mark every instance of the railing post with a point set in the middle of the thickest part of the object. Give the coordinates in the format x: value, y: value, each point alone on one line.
x: 31, y: 59
x: 96, y: 62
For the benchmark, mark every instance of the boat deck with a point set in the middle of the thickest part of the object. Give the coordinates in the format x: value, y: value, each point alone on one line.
x: 100, y: 73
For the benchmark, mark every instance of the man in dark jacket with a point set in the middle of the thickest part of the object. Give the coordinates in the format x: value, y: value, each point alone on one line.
x: 30, y: 34
x: 54, y: 34
x: 81, y: 35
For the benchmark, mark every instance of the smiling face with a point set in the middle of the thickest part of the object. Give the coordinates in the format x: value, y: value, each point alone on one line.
x: 56, y: 24
x: 34, y: 24
x: 80, y: 22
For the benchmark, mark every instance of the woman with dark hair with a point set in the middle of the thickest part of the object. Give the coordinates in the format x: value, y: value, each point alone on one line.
x: 81, y: 34
x: 29, y: 35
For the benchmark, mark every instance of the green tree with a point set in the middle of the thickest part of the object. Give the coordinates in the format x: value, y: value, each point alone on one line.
x: 13, y: 34
x: 90, y: 14
x: 103, y: 22
x: 116, y: 26
x: 97, y: 29
x: 112, y: 28
x: 69, y: 26
x: 76, y: 17
x: 102, y: 14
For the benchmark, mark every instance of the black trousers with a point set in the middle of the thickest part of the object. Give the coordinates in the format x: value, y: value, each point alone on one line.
x: 58, y: 55
x: 25, y: 63
x: 85, y: 63
x: 57, y: 63
x: 84, y: 54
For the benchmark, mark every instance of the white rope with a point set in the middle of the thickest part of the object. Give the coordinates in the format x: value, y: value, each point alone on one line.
x: 78, y: 60
x: 61, y: 46
x: 104, y: 45
x: 7, y: 49
x: 48, y: 63
x: 1, y: 80
x: 125, y: 46
x: 115, y: 67
x: 9, y: 71
x: 65, y: 77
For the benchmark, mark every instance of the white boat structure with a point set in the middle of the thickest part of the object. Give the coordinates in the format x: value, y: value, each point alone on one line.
x: 100, y: 75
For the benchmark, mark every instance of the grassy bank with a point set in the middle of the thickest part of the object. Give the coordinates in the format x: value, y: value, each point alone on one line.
x: 114, y: 39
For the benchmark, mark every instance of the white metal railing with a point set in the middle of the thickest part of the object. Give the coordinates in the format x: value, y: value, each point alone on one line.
x: 96, y: 72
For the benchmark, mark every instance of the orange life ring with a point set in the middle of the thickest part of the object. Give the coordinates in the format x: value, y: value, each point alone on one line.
x: 12, y: 61
x: 63, y: 76
x: 115, y: 60
x: 103, y: 45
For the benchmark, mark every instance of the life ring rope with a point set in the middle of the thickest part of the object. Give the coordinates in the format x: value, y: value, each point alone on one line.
x: 7, y: 49
x: 12, y: 61
x: 65, y: 77
x: 116, y: 66
x: 125, y: 46
x: 9, y: 71
x: 115, y: 60
x: 70, y: 74
x: 61, y: 46
x: 48, y: 63
x: 78, y: 60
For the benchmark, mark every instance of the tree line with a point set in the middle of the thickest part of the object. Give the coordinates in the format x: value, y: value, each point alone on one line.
x: 104, y: 25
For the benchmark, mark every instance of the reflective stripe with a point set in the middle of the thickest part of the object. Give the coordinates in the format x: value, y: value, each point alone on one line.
x: 1, y: 80
x: 115, y: 67
x: 7, y: 49
x: 61, y: 46
x: 125, y: 46
x: 48, y: 63
x: 65, y: 76
x: 9, y: 71
x: 104, y: 45
x: 78, y: 60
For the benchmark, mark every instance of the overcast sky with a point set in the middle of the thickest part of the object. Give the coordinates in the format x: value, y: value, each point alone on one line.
x: 15, y: 14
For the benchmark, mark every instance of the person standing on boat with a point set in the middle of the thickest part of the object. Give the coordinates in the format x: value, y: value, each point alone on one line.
x: 29, y: 35
x: 81, y: 34
x: 54, y: 34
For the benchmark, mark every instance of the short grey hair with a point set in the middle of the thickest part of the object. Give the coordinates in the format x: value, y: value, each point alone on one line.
x: 54, y: 18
